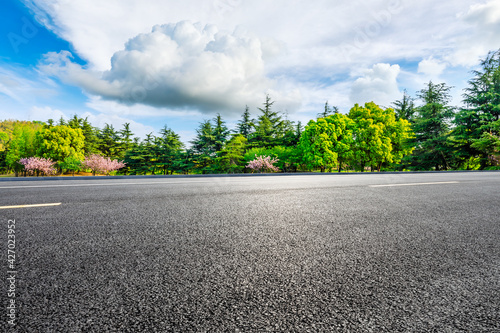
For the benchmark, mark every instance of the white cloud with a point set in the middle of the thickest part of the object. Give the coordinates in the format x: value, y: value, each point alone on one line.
x: 431, y: 67
x: 378, y: 84
x: 483, y: 25
x: 45, y: 113
x: 179, y: 66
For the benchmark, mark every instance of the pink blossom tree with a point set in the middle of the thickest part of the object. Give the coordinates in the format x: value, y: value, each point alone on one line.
x: 101, y: 164
x: 38, y: 165
x: 263, y: 164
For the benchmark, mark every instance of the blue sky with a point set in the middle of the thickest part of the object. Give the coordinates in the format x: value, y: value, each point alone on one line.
x: 153, y: 63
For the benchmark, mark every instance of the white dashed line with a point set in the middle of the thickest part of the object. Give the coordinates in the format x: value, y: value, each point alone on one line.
x: 29, y: 206
x: 413, y: 184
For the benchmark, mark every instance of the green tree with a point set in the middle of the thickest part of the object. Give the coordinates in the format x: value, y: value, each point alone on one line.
x: 231, y: 157
x: 125, y: 137
x: 75, y: 122
x: 109, y: 142
x: 342, y: 138
x: 405, y: 107
x: 378, y: 139
x: 268, y: 126
x: 21, y: 144
x: 71, y: 163
x: 204, y: 146
x: 432, y: 127
x: 220, y: 132
x: 474, y: 122
x: 60, y: 142
x: 316, y: 145
x: 140, y: 159
x: 169, y: 146
x: 246, y: 124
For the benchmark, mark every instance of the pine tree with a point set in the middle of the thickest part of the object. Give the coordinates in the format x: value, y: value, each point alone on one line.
x: 109, y: 141
x: 477, y: 120
x: 125, y: 139
x: 169, y: 145
x: 220, y: 132
x: 204, y: 146
x: 432, y: 126
x: 245, y: 125
x: 268, y: 127
x: 405, y: 108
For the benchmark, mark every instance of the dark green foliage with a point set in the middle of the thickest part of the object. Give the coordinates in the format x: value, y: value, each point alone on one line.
x: 269, y: 126
x: 220, y: 132
x: 405, y: 108
x: 246, y: 124
x: 108, y: 142
x: 476, y: 121
x: 431, y: 126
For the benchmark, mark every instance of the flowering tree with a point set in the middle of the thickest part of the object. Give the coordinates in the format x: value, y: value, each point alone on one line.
x: 263, y: 164
x: 101, y: 164
x: 38, y: 165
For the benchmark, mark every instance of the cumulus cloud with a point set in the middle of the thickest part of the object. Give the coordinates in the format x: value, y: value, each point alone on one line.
x: 179, y: 66
x: 431, y: 67
x: 378, y: 84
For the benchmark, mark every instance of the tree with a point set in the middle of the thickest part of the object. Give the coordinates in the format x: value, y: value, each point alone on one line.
x: 489, y: 143
x: 204, y: 146
x: 71, y: 164
x: 231, y: 157
x: 268, y: 126
x: 342, y: 138
x: 91, y: 137
x: 21, y: 143
x: 75, y: 122
x: 476, y: 120
x: 169, y: 146
x: 184, y: 161
x: 220, y: 132
x: 59, y: 142
x: 432, y: 126
x: 371, y: 142
x: 245, y: 125
x: 316, y: 145
x: 405, y: 108
x: 125, y: 136
x: 109, y: 141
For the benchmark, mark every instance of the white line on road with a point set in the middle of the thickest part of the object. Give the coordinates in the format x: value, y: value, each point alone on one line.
x: 413, y: 184
x: 29, y: 206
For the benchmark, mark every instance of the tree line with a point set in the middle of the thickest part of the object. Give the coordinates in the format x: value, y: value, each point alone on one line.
x: 421, y: 132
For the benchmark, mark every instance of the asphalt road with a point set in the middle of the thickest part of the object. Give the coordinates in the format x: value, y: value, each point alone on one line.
x: 317, y: 253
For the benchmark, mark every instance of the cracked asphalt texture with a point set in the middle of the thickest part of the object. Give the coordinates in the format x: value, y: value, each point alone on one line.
x: 305, y: 253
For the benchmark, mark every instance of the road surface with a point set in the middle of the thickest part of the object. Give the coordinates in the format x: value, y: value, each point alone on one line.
x: 317, y: 253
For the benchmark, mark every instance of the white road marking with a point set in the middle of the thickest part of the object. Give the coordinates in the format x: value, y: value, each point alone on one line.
x: 414, y: 184
x: 29, y: 206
